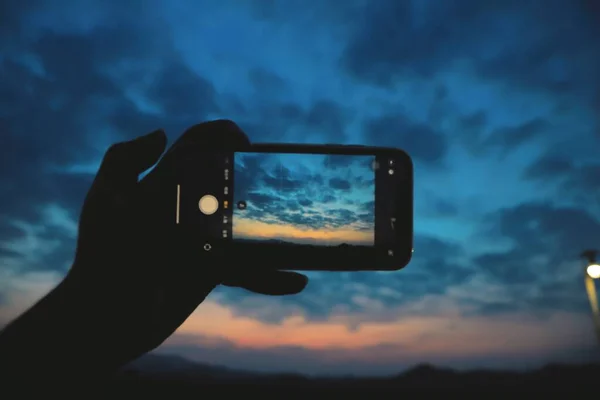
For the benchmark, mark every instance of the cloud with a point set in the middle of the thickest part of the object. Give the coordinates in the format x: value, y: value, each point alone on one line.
x: 438, y: 207
x: 329, y: 347
x: 425, y: 38
x: 423, y: 142
x: 515, y: 46
x: 265, y: 80
x: 479, y: 139
x: 46, y: 245
x: 324, y: 121
x: 536, y: 271
x: 573, y: 179
x: 435, y: 268
x: 539, y: 269
x: 73, y: 100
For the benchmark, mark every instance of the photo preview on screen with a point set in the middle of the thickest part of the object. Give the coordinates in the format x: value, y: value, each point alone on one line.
x: 304, y: 199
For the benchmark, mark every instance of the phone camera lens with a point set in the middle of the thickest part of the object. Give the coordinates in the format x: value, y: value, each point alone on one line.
x: 241, y: 205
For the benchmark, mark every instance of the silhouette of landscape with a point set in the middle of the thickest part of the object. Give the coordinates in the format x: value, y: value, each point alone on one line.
x: 306, y: 256
x: 178, y: 376
x: 281, y: 242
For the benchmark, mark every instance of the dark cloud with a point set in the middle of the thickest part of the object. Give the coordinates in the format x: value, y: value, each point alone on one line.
x: 323, y: 13
x: 579, y: 181
x: 539, y: 47
x: 183, y: 94
x: 539, y: 301
x: 264, y: 80
x: 435, y: 268
x: 471, y: 130
x: 422, y: 142
x: 397, y: 40
x: 12, y: 13
x: 550, y: 166
x: 324, y: 121
x: 509, y: 138
x: 542, y: 270
x: 540, y: 228
x: 272, y: 117
x: 564, y: 61
x: 441, y: 208
x: 339, y: 184
x: 480, y: 140
x: 519, y: 45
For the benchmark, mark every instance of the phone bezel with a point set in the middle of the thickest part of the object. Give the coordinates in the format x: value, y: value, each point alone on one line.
x: 271, y: 256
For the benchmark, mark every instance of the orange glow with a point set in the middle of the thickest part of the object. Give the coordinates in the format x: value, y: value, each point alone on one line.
x: 401, y: 335
x: 447, y: 335
x: 249, y: 228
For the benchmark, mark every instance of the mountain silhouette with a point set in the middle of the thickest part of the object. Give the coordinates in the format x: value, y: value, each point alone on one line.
x: 177, y: 376
x: 180, y: 367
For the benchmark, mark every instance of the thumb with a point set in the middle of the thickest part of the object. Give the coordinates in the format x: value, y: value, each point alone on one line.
x: 125, y: 161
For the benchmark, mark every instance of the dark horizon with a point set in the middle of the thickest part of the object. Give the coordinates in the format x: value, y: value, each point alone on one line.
x: 165, y: 361
x: 177, y: 374
x: 298, y: 243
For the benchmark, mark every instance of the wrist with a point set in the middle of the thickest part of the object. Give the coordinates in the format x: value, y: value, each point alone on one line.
x: 90, y: 315
x: 49, y: 340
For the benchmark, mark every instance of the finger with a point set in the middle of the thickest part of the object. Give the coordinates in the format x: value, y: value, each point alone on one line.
x: 125, y: 161
x: 274, y: 283
x: 221, y: 134
x: 188, y: 278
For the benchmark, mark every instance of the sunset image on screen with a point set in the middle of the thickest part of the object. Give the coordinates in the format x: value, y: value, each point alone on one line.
x: 304, y: 199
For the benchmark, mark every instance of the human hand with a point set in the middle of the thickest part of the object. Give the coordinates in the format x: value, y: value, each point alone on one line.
x: 138, y: 279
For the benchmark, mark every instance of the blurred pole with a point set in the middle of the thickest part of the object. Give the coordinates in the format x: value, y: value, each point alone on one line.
x: 590, y: 286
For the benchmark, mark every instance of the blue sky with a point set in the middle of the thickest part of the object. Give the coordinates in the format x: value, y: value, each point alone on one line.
x: 498, y: 103
x: 305, y: 198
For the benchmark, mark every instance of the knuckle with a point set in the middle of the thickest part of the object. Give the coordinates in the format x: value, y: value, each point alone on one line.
x: 115, y: 151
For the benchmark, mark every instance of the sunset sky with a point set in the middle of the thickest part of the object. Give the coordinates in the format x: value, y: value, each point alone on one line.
x: 498, y: 103
x: 305, y: 198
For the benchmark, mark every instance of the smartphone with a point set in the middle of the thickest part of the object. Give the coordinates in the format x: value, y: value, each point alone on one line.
x: 301, y: 207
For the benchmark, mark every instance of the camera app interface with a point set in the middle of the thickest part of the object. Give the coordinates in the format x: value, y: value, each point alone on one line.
x: 304, y: 199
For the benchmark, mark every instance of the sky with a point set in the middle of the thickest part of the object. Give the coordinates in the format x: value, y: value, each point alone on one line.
x: 313, y: 199
x: 497, y: 102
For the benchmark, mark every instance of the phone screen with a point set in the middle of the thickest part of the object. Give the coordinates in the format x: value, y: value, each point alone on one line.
x: 304, y: 199
x: 295, y: 207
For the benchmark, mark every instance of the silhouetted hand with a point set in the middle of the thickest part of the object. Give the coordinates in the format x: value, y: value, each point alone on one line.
x: 137, y: 280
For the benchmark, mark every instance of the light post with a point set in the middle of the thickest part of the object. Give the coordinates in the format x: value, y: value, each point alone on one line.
x: 592, y: 273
